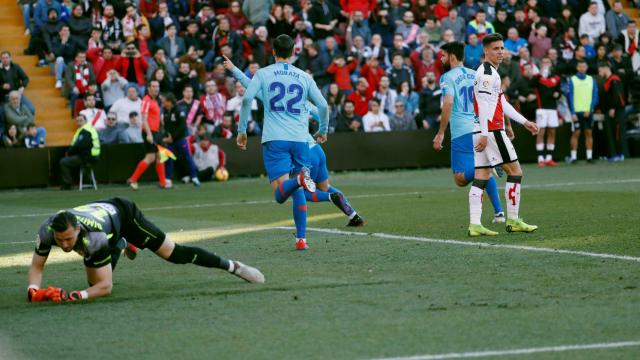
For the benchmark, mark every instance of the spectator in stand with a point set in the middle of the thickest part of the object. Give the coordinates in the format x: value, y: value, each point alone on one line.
x: 422, y: 64
x: 174, y: 119
x: 134, y: 128
x: 124, y: 106
x: 236, y: 17
x: 525, y: 58
x: 378, y: 51
x: 195, y: 63
x: 502, y: 23
x: 41, y: 42
x: 335, y: 99
x: 113, y: 88
x: 409, y: 98
x: 18, y: 114
x: 103, y: 61
x: 401, y: 120
x: 408, y: 29
x: 165, y: 84
x: 42, y: 13
x: 111, y: 28
x: 613, y: 107
x: 186, y: 76
x: 227, y: 129
x: 539, y: 41
x: 95, y: 116
x: 616, y: 20
x: 361, y: 96
x: 359, y: 27
x: 235, y: 103
x: 399, y: 72
x: 468, y: 9
x: 10, y: 138
x: 429, y: 108
x: 130, y: 23
x: 592, y: 23
x: 508, y: 67
x: 526, y: 92
x: 590, y: 51
x: 441, y: 9
x: 629, y: 41
x: 160, y: 23
x: 280, y: 20
x: 173, y: 45
x: 473, y: 52
x: 213, y: 106
x: 160, y: 61
x: 372, y: 72
x: 386, y: 96
x: 113, y: 132
x: 375, y: 120
x: 491, y: 7
x: 341, y: 71
x: 194, y: 38
x: 189, y: 108
x: 514, y: 42
x: 430, y: 33
x: 132, y: 66
x: 80, y: 25
x: 348, y: 120
x: 208, y: 158
x: 422, y: 10
x: 396, y: 10
x: 534, y: 20
x: 399, y: 47
x: 84, y: 150
x: 78, y: 76
x: 148, y: 8
x: 384, y: 27
x: 583, y: 98
x: 12, y: 77
x: 480, y: 26
x: 566, y: 20
x: 95, y: 40
x: 323, y: 16
x: 454, y: 23
x: 359, y: 51
x: 64, y: 50
x: 32, y: 139
x: 257, y: 11
x: 547, y: 91
x: 566, y: 45
x: 621, y: 66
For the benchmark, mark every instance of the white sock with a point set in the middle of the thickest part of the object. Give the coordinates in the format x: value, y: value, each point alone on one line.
x: 574, y: 154
x: 550, y: 148
x: 512, y: 194
x: 232, y: 266
x: 540, y: 150
x: 589, y: 154
x: 475, y: 205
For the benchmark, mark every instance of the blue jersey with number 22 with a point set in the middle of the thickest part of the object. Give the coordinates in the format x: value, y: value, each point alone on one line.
x: 458, y: 82
x: 284, y: 90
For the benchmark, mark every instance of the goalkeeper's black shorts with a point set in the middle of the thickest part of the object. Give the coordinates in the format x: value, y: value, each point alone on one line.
x: 135, y: 228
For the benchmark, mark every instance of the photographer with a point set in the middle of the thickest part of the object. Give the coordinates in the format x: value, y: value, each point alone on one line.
x: 133, y: 66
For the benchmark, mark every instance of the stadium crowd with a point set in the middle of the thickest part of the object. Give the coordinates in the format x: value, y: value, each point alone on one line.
x: 377, y: 62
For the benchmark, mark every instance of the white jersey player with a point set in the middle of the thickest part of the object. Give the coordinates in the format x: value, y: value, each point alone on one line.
x: 492, y: 146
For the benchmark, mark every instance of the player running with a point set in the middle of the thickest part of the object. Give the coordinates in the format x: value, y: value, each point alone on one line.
x: 284, y: 90
x: 457, y: 108
x: 491, y: 144
x: 317, y: 162
x: 93, y: 231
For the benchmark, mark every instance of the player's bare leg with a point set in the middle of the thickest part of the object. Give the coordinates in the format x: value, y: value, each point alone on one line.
x: 575, y: 136
x: 181, y: 254
x: 476, y: 191
x: 551, y: 146
x: 540, y: 147
x: 512, y: 196
x: 588, y: 143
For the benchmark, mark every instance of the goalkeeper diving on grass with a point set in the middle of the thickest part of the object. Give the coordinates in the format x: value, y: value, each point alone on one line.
x: 317, y: 161
x: 99, y: 231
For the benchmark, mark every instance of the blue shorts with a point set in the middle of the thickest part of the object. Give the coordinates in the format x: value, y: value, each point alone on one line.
x: 318, y: 161
x: 462, y: 154
x: 284, y: 157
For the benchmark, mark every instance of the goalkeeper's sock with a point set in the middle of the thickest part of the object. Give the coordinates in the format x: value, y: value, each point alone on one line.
x: 300, y: 213
x: 190, y: 254
x: 492, y: 191
x: 161, y: 174
x: 475, y: 201
x: 285, y: 189
x: 140, y: 169
x: 512, y: 195
x: 317, y: 196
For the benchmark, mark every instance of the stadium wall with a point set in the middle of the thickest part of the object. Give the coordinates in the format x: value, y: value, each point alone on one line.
x: 21, y: 168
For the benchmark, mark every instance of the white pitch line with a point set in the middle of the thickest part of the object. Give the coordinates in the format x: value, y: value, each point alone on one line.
x: 471, y: 243
x: 477, y: 354
x: 360, y: 196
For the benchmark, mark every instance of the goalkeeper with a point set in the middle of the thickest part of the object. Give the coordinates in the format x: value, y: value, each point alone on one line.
x: 94, y: 231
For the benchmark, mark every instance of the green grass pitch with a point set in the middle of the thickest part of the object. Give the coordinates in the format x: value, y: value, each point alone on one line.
x: 349, y: 296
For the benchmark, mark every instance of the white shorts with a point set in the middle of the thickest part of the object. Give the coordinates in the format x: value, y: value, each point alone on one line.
x: 546, y: 118
x: 499, y: 150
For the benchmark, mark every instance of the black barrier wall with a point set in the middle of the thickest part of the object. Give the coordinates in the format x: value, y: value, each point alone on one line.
x: 345, y: 151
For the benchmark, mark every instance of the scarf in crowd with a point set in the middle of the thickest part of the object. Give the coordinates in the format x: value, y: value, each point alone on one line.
x: 111, y: 31
x: 82, y: 77
x: 214, y: 107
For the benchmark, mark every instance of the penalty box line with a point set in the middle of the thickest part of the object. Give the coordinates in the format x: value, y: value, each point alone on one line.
x: 470, y: 243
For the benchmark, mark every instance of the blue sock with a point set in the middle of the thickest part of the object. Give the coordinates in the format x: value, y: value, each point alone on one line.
x: 317, y: 196
x: 284, y: 190
x: 492, y: 191
x: 300, y: 213
x: 350, y: 210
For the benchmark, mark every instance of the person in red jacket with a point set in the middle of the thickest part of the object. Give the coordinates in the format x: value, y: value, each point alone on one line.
x: 361, y: 97
x: 102, y: 60
x: 133, y: 67
x: 148, y: 8
x: 349, y: 6
x: 441, y: 10
x: 342, y: 72
x: 372, y: 72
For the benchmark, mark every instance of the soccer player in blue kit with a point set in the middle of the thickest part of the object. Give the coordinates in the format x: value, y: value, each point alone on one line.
x: 457, y: 108
x: 285, y: 150
x: 317, y: 162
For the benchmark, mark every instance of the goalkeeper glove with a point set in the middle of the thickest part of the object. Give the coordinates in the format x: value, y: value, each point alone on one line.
x: 59, y: 295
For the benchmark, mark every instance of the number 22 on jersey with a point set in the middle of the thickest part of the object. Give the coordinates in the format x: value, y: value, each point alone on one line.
x: 278, y: 91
